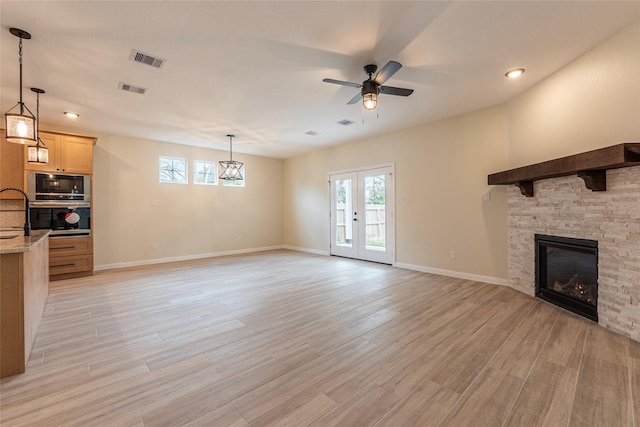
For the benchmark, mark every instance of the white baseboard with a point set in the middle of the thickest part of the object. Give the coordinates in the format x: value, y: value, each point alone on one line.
x: 182, y: 258
x: 456, y: 274
x: 439, y: 271
x: 307, y: 250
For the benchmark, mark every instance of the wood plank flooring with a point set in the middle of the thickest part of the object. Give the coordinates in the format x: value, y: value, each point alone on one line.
x: 283, y: 338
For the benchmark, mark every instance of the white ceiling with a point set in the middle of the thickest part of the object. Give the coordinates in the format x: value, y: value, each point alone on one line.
x: 256, y: 68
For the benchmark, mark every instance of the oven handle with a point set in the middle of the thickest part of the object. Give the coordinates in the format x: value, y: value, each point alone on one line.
x: 65, y: 204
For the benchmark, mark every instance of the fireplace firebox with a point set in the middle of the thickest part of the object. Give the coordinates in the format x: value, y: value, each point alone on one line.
x: 567, y: 273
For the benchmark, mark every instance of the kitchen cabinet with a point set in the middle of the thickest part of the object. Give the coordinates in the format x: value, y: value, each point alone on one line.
x: 70, y: 256
x: 24, y: 286
x: 11, y: 167
x: 67, y: 153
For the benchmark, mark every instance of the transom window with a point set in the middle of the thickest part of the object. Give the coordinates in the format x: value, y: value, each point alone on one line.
x: 205, y: 173
x: 173, y: 170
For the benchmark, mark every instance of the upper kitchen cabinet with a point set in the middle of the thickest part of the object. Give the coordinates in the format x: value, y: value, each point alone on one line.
x: 11, y: 169
x: 67, y: 153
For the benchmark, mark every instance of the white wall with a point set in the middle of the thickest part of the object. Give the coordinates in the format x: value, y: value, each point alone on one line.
x: 441, y: 174
x: 591, y: 103
x: 188, y: 220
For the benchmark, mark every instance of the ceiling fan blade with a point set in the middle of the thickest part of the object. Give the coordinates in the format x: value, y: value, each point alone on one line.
x: 400, y: 91
x: 387, y: 71
x: 340, y: 82
x: 355, y: 99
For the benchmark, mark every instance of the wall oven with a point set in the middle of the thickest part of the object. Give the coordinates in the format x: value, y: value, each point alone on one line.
x: 63, y: 219
x: 61, y: 203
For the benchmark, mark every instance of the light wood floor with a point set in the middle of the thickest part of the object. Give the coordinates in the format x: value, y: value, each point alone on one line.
x: 290, y: 339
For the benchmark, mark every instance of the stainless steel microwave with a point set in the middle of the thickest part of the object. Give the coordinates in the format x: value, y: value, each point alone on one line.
x: 49, y: 187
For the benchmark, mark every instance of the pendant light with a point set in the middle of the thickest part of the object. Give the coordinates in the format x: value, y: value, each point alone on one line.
x: 231, y: 168
x: 21, y: 127
x: 38, y: 154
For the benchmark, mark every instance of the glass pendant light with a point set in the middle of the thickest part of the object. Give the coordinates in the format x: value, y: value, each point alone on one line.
x: 231, y: 168
x: 21, y: 124
x: 39, y: 153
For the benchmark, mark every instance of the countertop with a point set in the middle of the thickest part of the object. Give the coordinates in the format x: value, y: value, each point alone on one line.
x: 20, y: 243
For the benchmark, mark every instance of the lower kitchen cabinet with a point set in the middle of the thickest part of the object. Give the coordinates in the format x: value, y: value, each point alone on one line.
x: 70, y: 257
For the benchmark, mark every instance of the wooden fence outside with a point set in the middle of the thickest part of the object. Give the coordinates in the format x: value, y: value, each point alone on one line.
x: 375, y: 216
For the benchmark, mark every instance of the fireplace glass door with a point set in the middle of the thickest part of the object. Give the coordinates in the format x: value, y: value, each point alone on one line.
x: 567, y: 273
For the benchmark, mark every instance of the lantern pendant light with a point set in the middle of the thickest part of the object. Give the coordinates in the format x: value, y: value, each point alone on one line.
x: 38, y: 154
x: 231, y: 168
x: 21, y: 126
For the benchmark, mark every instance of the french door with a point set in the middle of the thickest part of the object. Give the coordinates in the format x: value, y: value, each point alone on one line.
x: 362, y: 220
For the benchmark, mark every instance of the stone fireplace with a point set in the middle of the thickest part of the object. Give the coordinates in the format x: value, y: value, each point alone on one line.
x: 563, y: 206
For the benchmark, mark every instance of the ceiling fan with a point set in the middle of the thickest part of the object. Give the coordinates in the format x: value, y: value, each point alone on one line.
x: 371, y: 87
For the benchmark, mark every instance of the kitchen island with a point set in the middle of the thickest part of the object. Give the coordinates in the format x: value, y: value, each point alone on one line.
x: 24, y: 287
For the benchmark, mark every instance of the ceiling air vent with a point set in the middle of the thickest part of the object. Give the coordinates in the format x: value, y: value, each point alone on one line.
x: 346, y: 122
x: 144, y: 58
x: 130, y: 88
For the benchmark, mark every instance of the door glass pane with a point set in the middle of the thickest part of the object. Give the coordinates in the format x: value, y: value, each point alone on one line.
x: 375, y: 202
x: 344, y: 209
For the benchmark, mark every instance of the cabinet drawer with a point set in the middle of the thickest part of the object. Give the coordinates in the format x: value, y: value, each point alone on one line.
x: 62, y: 246
x: 70, y: 264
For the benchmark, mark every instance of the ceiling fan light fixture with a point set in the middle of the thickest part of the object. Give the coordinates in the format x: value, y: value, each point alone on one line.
x: 370, y: 101
x: 20, y: 125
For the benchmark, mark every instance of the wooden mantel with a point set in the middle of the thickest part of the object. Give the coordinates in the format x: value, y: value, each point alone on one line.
x: 590, y: 166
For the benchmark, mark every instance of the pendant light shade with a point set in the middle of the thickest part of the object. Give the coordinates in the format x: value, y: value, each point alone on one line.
x: 230, y: 168
x: 20, y: 123
x: 38, y: 154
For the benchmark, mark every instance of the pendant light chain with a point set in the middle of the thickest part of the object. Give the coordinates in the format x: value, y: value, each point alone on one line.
x: 38, y: 115
x: 20, y: 61
x: 38, y: 154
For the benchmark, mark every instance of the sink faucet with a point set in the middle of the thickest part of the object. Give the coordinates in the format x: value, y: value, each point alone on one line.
x: 27, y: 215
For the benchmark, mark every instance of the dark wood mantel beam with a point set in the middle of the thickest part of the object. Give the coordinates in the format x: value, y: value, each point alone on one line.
x: 591, y: 166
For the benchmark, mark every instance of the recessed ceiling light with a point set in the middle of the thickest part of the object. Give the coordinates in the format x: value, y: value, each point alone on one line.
x: 345, y: 122
x: 312, y: 133
x: 513, y: 73
x: 71, y: 115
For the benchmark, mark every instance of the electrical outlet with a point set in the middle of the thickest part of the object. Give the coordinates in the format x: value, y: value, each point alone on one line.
x: 452, y: 254
x: 154, y: 246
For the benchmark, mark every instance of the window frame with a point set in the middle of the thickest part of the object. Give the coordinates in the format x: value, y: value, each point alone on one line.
x: 186, y: 169
x: 215, y: 172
